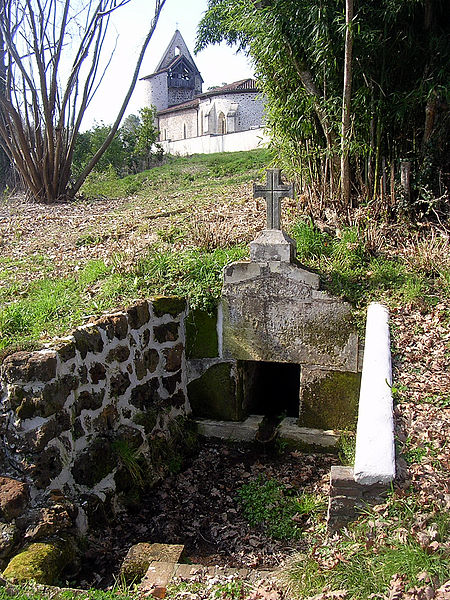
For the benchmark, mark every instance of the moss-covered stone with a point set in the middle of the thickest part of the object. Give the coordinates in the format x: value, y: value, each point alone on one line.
x: 329, y: 399
x: 41, y: 562
x: 214, y: 395
x: 147, y: 419
x: 92, y: 465
x: 171, y: 305
x: 201, y: 335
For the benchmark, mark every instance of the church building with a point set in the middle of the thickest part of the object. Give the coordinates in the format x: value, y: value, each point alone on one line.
x: 185, y: 112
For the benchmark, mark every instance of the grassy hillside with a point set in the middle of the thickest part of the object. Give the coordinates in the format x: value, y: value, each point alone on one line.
x: 170, y: 230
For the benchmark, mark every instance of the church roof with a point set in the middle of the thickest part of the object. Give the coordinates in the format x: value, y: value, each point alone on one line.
x: 183, y: 106
x: 241, y: 86
x: 174, y: 53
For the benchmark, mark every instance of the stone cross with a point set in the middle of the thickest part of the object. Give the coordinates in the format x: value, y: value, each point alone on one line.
x: 273, y: 191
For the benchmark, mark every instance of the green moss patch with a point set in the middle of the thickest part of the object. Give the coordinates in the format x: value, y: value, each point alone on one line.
x: 201, y: 335
x: 41, y: 562
x: 213, y: 395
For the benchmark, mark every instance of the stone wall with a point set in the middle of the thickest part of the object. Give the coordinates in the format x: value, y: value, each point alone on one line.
x: 156, y: 92
x: 99, y: 413
x: 171, y: 126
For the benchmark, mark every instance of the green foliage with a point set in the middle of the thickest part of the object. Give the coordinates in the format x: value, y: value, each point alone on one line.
x: 346, y: 448
x: 87, y: 145
x: 51, y: 307
x: 360, y: 570
x: 297, y: 49
x: 129, y: 459
x: 268, y: 503
x: 349, y: 270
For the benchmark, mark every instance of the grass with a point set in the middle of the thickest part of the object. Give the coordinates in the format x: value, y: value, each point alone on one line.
x: 350, y: 270
x: 191, y: 172
x: 363, y: 563
x: 49, y: 307
x: 279, y: 511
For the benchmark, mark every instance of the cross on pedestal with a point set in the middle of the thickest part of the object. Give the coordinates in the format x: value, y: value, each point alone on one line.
x: 273, y: 191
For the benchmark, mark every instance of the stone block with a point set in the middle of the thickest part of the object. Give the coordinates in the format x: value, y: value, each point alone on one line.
x: 214, y: 394
x: 170, y: 383
x: 306, y: 438
x: 171, y: 305
x: 201, y: 335
x: 274, y: 312
x: 173, y: 357
x: 273, y: 245
x: 14, y: 498
x: 328, y: 399
x: 169, y: 332
x: 138, y: 315
x: 244, y: 431
x: 29, y: 366
x: 97, y: 373
x: 138, y: 559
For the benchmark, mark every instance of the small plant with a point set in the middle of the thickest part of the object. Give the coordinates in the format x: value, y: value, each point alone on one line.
x: 268, y: 503
x: 130, y: 460
x: 346, y: 448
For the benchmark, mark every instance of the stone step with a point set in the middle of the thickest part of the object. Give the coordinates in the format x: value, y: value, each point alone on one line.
x: 140, y: 556
x: 160, y: 574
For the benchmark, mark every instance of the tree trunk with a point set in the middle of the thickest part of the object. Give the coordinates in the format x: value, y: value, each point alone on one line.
x: 346, y: 95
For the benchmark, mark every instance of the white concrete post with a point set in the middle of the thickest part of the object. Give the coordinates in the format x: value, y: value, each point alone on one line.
x: 375, y: 451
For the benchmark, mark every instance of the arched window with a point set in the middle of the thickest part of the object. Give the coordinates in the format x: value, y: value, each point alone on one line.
x: 201, y: 122
x: 177, y: 50
x: 184, y: 131
x: 165, y: 134
x: 221, y: 124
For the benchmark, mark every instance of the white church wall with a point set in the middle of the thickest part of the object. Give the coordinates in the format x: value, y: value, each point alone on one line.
x: 208, y: 144
x: 178, y: 125
x: 249, y: 112
x: 157, y: 93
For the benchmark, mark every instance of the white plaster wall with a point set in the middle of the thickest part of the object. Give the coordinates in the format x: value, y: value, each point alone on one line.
x: 173, y: 125
x: 249, y: 114
x: 156, y: 91
x: 208, y: 144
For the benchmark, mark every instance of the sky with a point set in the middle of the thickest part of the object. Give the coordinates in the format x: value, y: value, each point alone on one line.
x: 217, y: 64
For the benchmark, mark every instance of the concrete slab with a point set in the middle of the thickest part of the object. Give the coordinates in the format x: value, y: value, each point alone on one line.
x: 289, y: 431
x: 242, y: 431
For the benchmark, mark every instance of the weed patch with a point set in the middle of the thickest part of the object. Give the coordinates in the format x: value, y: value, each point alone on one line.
x: 267, y: 503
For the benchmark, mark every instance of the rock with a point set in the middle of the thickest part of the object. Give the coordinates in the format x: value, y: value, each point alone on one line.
x: 94, y: 463
x: 97, y: 373
x: 119, y: 354
x: 89, y: 401
x: 41, y: 562
x: 173, y: 357
x: 168, y: 332
x: 87, y: 340
x: 119, y: 384
x: 14, y: 498
x: 50, y: 521
x: 116, y: 326
x: 168, y: 305
x: 55, y: 394
x: 138, y: 315
x: 8, y: 539
x: 170, y: 383
x: 29, y: 366
x: 145, y: 395
x: 47, y: 466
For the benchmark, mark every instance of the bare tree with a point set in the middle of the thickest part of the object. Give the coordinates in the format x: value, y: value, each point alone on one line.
x: 43, y: 96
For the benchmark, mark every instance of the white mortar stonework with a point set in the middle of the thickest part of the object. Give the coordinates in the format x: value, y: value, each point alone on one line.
x: 57, y: 404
